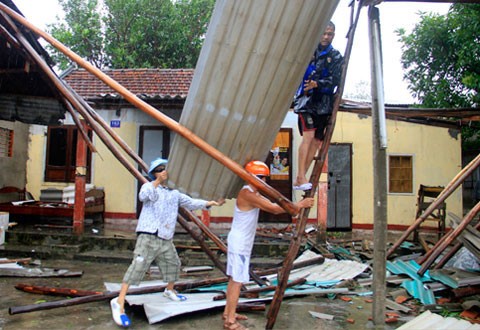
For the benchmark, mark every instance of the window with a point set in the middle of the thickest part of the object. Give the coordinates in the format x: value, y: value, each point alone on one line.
x: 400, y: 174
x: 6, y: 142
x: 61, y: 154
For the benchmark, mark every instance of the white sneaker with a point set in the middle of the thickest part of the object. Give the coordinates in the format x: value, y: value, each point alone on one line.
x: 120, y: 319
x: 172, y: 295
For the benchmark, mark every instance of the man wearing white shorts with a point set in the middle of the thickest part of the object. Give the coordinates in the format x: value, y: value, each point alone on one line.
x: 241, y: 238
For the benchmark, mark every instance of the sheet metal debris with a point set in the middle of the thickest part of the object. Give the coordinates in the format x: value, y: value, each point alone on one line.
x: 428, y: 320
x: 455, y: 278
x: 16, y: 270
x: 158, y: 308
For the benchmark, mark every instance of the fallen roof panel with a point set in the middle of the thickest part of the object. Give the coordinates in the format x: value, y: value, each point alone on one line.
x: 251, y: 63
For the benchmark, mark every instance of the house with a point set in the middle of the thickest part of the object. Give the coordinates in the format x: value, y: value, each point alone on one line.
x: 421, y: 150
x: 27, y: 97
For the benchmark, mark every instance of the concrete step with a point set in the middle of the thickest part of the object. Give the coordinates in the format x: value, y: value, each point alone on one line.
x: 102, y: 256
x: 60, y: 251
x: 118, y: 248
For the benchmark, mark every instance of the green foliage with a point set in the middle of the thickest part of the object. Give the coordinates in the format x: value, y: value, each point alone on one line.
x: 441, y: 58
x: 79, y: 32
x: 134, y: 33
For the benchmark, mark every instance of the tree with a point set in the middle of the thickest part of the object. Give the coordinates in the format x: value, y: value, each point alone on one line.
x: 134, y: 33
x: 80, y: 32
x: 441, y: 58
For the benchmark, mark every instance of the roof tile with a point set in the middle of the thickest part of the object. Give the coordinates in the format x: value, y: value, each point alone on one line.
x: 163, y: 83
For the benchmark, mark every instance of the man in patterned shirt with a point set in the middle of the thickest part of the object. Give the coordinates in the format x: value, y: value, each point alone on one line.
x: 155, y: 230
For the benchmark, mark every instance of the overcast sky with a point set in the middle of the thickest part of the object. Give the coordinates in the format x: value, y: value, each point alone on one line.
x: 393, y: 15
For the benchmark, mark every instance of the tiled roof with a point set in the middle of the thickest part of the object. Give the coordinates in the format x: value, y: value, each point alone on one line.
x: 150, y: 83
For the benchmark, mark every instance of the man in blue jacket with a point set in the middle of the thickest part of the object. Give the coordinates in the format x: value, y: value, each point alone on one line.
x: 324, y: 73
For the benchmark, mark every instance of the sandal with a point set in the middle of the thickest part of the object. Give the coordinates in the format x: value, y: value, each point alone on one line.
x: 238, y: 317
x: 233, y: 326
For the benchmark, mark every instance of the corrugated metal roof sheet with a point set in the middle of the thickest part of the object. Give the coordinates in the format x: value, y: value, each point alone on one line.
x: 427, y: 320
x: 409, y: 268
x: 252, y: 60
x: 419, y: 291
x: 455, y: 278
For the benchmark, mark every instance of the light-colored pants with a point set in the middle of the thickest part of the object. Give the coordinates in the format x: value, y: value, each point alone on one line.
x: 149, y: 248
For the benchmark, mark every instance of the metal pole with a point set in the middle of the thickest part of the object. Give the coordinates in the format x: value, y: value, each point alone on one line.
x: 379, y: 170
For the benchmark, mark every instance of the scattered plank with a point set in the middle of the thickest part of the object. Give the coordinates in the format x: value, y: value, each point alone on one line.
x: 38, y: 272
x: 179, y: 286
x: 63, y: 292
x: 321, y: 315
x: 14, y: 261
x: 390, y: 304
x: 196, y: 269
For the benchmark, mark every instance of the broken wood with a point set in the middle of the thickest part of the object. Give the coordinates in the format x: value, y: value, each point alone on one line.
x: 320, y: 248
x: 63, y: 292
x: 179, y: 286
x: 448, y: 239
x: 200, y: 240
x: 393, y: 305
x: 424, y: 244
x: 13, y: 261
x: 452, y: 252
x: 466, y: 291
x: 250, y: 307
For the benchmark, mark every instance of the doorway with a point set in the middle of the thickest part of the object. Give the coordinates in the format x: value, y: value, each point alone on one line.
x: 339, y: 187
x: 279, y: 161
x: 154, y: 141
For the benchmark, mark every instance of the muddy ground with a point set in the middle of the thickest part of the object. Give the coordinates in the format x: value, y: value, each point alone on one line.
x: 294, y: 312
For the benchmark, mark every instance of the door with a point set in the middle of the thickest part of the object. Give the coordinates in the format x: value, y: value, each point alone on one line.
x: 339, y: 193
x: 155, y: 141
x: 279, y: 161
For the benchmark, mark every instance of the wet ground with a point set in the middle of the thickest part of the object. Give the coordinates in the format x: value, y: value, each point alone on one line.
x: 293, y: 314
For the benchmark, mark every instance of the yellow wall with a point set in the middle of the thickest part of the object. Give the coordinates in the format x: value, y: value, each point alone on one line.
x: 119, y: 185
x: 436, y: 161
x: 36, y: 160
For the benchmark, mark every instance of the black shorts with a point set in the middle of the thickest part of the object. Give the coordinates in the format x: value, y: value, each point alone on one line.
x: 308, y: 122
